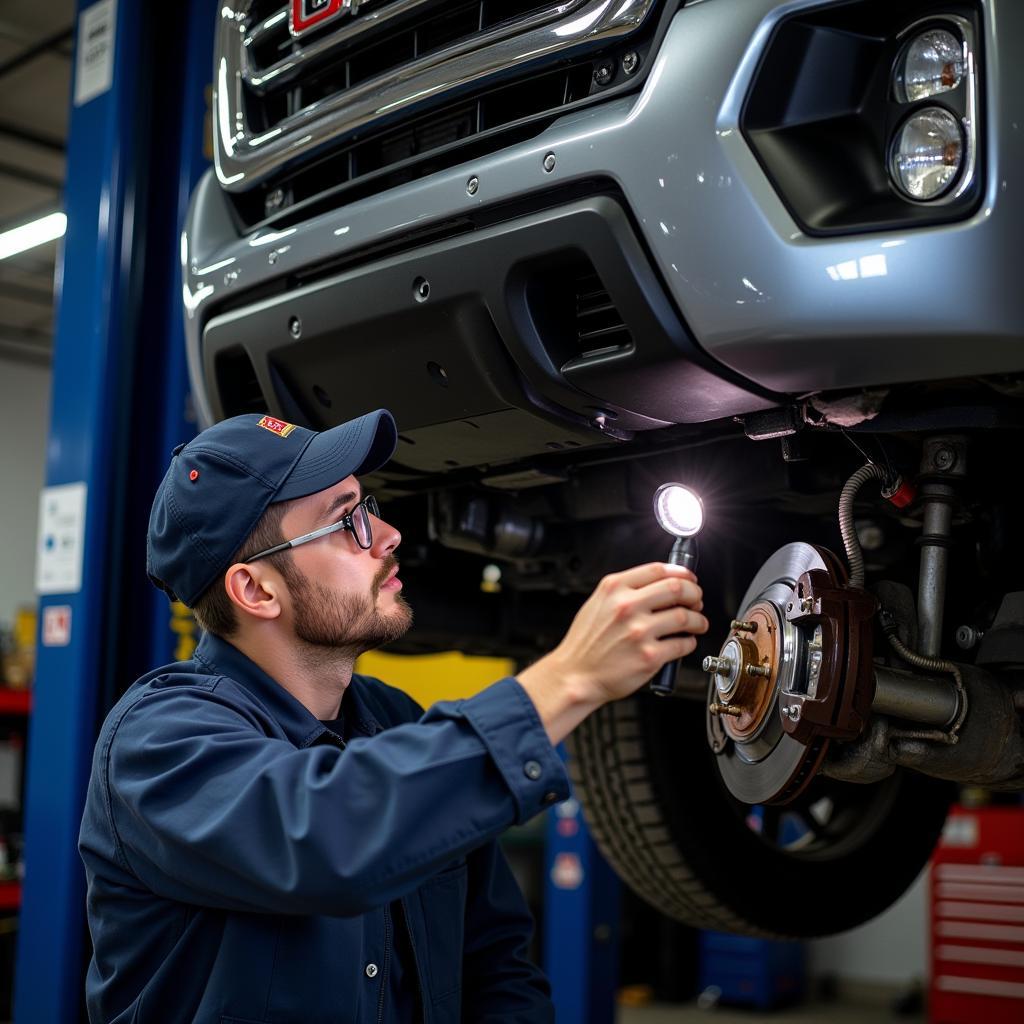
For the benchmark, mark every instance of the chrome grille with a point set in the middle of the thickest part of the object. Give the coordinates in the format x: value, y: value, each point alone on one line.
x: 280, y: 98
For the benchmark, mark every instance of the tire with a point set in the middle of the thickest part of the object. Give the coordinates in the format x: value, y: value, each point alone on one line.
x: 651, y: 794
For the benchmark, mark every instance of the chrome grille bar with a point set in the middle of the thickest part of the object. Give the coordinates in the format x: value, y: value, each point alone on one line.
x: 245, y: 155
x: 349, y: 30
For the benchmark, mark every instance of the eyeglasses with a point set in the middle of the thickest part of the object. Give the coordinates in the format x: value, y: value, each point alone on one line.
x: 358, y: 521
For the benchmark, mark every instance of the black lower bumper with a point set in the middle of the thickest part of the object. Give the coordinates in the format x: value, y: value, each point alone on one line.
x: 544, y: 332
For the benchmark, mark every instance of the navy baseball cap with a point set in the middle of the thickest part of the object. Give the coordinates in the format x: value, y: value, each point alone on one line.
x: 220, y: 483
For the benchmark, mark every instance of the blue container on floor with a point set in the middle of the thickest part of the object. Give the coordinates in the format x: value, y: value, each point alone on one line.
x: 753, y: 972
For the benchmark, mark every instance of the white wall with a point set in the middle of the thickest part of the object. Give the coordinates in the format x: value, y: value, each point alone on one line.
x: 24, y: 424
x: 891, y: 949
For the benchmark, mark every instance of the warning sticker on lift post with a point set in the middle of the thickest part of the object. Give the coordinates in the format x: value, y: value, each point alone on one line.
x: 57, y: 625
x: 61, y: 539
x: 94, y: 51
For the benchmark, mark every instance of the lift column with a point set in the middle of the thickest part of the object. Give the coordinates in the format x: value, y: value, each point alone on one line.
x: 118, y: 389
x: 582, y: 898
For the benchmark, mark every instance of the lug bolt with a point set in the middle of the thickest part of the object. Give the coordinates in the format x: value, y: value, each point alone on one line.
x: 604, y: 73
x: 473, y: 186
x: 724, y: 709
x: 630, y: 62
x: 759, y: 670
x: 740, y: 626
x: 720, y: 666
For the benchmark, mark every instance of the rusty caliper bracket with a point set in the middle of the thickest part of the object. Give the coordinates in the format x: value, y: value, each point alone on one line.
x: 840, y: 705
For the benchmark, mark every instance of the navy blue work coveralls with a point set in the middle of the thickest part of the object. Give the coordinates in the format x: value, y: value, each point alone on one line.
x: 241, y: 857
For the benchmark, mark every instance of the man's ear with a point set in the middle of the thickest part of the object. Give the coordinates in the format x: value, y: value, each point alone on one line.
x: 253, y: 590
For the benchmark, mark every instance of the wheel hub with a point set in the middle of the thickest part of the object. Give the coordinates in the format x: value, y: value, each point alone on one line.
x: 746, y: 671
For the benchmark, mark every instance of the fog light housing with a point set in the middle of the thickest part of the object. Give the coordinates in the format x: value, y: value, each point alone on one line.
x: 927, y: 154
x: 932, y: 63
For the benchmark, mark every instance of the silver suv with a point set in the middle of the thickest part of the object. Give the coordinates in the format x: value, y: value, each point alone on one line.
x: 582, y: 248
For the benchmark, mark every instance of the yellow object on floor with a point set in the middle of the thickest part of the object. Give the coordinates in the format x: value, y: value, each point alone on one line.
x: 428, y: 678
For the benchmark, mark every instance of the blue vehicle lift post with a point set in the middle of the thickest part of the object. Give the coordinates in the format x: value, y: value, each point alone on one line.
x: 117, y: 398
x: 582, y: 906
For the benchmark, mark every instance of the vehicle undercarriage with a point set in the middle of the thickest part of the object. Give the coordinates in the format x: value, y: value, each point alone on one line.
x: 887, y: 668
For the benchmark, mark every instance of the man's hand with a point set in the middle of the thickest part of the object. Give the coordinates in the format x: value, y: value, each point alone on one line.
x: 619, y: 639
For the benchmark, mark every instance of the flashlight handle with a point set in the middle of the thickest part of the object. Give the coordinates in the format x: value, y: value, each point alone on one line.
x: 684, y: 553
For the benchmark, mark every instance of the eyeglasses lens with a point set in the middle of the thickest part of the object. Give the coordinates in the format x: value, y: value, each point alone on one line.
x: 361, y: 521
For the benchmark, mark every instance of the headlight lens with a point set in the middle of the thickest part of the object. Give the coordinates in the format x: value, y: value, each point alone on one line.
x: 927, y: 153
x: 933, y: 63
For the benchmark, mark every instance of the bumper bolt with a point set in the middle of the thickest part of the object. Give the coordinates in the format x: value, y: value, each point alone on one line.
x: 473, y: 186
x: 295, y: 327
x: 630, y: 62
x: 604, y: 73
x: 549, y: 162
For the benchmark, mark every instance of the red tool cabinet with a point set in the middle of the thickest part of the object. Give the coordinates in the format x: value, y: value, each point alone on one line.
x: 977, y: 918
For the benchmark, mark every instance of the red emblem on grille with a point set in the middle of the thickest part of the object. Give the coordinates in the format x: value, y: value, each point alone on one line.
x: 307, y: 14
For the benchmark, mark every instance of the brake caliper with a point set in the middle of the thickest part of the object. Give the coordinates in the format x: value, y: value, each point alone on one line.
x: 839, y: 685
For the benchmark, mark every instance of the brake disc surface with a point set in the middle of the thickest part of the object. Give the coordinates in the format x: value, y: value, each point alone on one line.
x: 758, y: 761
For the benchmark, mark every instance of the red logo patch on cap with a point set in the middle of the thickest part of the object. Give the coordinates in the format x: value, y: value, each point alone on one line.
x: 275, y: 426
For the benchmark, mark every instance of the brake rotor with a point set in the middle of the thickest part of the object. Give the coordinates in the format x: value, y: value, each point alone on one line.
x: 793, y: 673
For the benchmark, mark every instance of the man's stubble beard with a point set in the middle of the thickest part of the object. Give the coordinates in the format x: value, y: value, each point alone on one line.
x: 348, y: 625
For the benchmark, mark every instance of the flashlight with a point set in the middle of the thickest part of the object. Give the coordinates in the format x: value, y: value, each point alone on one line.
x: 680, y: 512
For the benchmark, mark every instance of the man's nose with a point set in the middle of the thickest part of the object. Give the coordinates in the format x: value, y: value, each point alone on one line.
x: 385, y: 538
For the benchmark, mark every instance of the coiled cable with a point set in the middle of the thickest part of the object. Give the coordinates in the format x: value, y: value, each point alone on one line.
x: 854, y: 556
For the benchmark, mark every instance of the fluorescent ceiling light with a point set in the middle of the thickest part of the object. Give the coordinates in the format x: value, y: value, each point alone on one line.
x: 28, y: 236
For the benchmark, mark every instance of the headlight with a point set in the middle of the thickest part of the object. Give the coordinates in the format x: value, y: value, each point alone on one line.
x: 927, y: 153
x: 932, y: 63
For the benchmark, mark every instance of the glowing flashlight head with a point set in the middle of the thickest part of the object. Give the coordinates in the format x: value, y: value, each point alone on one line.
x: 679, y: 510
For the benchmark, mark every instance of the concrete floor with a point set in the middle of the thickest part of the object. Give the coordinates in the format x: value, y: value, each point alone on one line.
x: 820, y: 1013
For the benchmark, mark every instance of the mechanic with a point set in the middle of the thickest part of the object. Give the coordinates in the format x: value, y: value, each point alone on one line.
x: 268, y: 837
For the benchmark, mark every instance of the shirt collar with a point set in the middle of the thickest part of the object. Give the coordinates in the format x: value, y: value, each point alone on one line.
x: 299, y: 724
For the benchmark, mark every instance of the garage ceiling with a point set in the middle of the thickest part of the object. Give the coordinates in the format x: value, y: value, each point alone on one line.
x: 35, y: 75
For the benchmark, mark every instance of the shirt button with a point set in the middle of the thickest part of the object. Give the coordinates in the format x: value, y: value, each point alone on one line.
x: 371, y: 970
x: 532, y: 770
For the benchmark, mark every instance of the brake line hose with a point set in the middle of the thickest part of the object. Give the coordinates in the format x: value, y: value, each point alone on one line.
x: 854, y: 556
